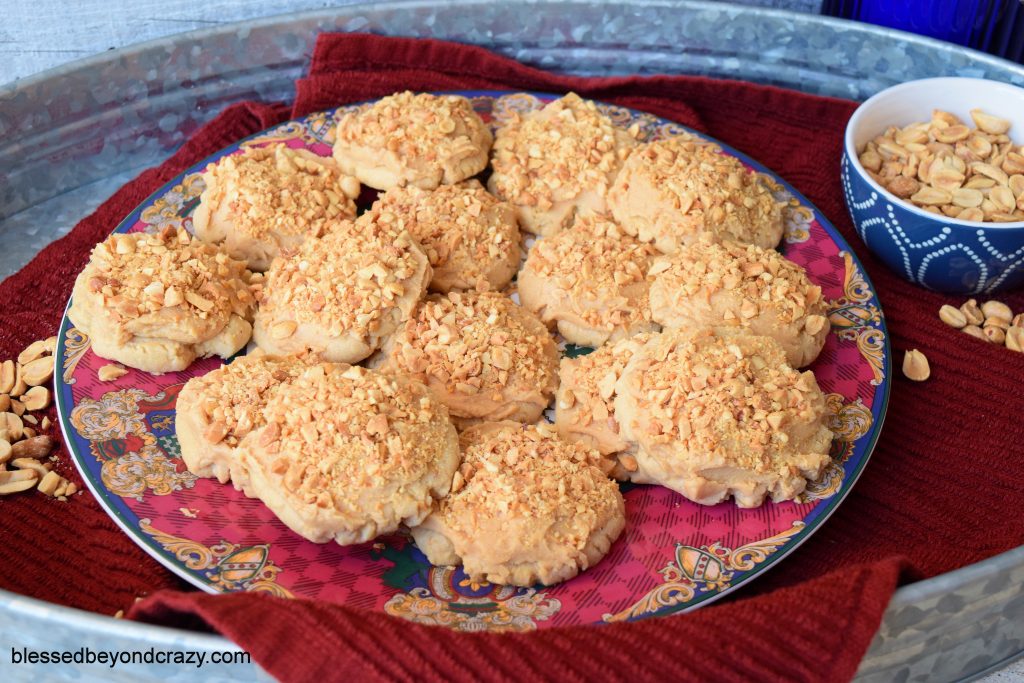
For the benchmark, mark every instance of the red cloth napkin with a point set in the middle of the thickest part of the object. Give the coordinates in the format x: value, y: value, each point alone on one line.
x: 942, y: 489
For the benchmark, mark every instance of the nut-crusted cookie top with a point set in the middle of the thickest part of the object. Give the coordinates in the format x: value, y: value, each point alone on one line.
x: 347, y: 282
x: 336, y: 429
x: 137, y: 274
x: 586, y: 396
x: 595, y: 272
x: 469, y: 235
x: 730, y: 398
x: 478, y: 344
x: 673, y: 189
x: 425, y: 138
x: 763, y: 278
x: 526, y: 472
x: 232, y: 398
x: 557, y: 153
x: 276, y: 190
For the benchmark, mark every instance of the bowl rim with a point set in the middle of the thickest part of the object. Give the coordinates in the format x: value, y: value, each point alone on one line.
x: 854, y: 160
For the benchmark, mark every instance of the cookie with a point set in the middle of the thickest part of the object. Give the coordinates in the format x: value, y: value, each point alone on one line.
x: 585, y: 403
x: 672, y: 191
x: 745, y: 287
x: 715, y: 416
x: 480, y: 354
x: 590, y: 282
x: 408, y: 139
x: 348, y: 454
x: 216, y: 411
x: 343, y: 294
x: 470, y: 236
x: 266, y: 201
x: 557, y: 163
x: 525, y: 507
x: 156, y: 302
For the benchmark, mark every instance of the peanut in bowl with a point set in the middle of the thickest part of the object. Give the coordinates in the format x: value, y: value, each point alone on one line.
x: 925, y: 184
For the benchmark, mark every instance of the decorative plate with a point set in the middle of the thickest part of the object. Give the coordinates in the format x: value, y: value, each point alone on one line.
x: 673, y: 556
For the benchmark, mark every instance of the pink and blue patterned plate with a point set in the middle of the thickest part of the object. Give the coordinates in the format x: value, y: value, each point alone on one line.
x: 673, y: 556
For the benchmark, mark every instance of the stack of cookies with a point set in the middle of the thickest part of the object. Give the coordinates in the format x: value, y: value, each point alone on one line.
x: 402, y: 359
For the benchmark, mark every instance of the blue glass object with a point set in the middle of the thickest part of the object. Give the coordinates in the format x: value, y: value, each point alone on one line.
x: 995, y: 26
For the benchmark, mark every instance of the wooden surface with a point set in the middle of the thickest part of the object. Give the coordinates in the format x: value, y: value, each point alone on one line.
x: 36, y: 35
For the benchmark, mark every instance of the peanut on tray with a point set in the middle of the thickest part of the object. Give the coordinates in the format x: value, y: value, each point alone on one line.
x: 946, y: 167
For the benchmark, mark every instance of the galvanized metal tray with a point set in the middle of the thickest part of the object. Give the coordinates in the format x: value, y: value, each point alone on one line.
x: 62, y: 133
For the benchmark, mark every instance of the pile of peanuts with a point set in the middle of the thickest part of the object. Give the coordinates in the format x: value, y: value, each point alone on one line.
x: 23, y: 391
x: 945, y: 167
x: 992, y: 321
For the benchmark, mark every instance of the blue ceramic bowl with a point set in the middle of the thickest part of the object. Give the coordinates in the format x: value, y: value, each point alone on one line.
x: 938, y: 252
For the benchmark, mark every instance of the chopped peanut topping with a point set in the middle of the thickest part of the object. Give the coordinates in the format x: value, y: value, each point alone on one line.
x: 593, y: 275
x: 763, y: 278
x: 562, y: 156
x: 336, y: 428
x: 672, y: 190
x: 481, y: 354
x: 741, y: 286
x: 527, y: 472
x: 348, y: 282
x: 585, y: 403
x: 233, y: 396
x: 421, y: 139
x: 111, y: 372
x: 470, y: 236
x: 132, y: 271
x: 276, y: 191
x: 728, y: 401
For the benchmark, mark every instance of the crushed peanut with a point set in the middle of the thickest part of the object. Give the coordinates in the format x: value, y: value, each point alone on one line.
x: 275, y: 197
x: 592, y: 276
x: 672, y: 191
x: 689, y: 398
x: 728, y: 284
x: 323, y: 440
x: 552, y: 493
x: 469, y: 235
x: 158, y: 262
x: 480, y: 354
x: 420, y: 139
x: 120, y: 300
x: 234, y: 395
x: 49, y: 483
x: 585, y: 402
x: 558, y: 162
x: 356, y: 281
